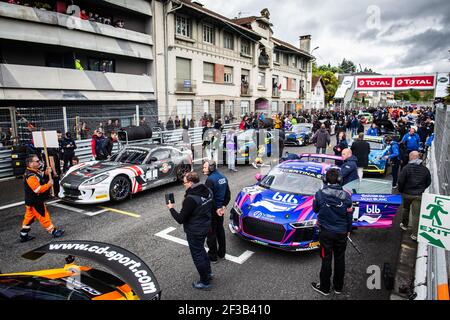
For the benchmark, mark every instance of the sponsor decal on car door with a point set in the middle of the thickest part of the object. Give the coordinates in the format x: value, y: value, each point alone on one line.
x: 375, y: 210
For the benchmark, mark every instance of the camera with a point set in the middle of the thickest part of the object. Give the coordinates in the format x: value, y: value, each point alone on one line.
x: 170, y: 197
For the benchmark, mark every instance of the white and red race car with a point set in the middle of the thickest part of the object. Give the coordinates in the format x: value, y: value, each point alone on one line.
x: 131, y: 170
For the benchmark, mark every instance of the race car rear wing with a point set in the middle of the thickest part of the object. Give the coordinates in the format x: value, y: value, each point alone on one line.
x: 126, y: 265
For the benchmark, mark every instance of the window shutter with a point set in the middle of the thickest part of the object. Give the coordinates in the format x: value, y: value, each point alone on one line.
x: 183, y: 69
x: 219, y: 71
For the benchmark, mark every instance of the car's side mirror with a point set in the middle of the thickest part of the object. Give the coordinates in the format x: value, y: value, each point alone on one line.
x: 153, y: 159
x: 259, y: 177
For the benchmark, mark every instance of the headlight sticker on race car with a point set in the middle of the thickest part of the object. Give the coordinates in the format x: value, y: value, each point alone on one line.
x: 151, y: 175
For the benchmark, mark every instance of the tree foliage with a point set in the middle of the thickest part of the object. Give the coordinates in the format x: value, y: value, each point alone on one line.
x: 347, y: 66
x: 327, y: 72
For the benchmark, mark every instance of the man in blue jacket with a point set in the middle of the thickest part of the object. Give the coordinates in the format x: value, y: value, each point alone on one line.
x: 373, y: 130
x: 392, y: 154
x: 335, y: 214
x: 411, y: 140
x: 349, y: 169
x: 218, y: 184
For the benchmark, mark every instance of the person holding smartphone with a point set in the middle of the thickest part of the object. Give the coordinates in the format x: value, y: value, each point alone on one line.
x: 195, y: 216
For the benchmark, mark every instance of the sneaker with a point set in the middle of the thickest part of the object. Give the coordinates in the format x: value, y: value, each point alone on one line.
x: 395, y: 187
x: 234, y: 170
x: 201, y: 286
x: 57, y: 233
x: 402, y: 226
x: 316, y: 287
x: 413, y: 237
x: 254, y: 165
x: 26, y: 238
x: 337, y: 292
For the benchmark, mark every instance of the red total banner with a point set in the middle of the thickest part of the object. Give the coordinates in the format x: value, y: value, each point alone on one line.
x: 373, y: 83
x: 419, y: 82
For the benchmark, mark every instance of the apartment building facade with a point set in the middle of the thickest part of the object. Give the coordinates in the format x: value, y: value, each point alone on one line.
x: 218, y: 66
x: 75, y: 67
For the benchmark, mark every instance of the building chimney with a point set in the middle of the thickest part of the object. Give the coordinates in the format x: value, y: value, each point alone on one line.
x: 305, y: 43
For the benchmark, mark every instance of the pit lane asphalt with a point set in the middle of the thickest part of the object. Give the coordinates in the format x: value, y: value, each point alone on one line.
x: 267, y: 274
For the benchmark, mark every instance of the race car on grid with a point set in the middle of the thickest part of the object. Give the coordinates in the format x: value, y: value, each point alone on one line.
x: 278, y: 210
x: 377, y: 164
x: 131, y: 170
x: 133, y: 279
x: 300, y: 135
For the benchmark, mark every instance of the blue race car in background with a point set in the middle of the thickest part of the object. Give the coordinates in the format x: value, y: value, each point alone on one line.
x: 277, y: 211
x: 248, y: 146
x: 377, y: 164
x: 300, y: 135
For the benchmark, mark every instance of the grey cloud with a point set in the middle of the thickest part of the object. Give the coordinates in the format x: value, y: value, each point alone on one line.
x: 425, y: 47
x: 347, y: 20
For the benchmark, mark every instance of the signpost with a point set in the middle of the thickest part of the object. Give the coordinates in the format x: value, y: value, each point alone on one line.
x: 46, y: 139
x: 434, y: 223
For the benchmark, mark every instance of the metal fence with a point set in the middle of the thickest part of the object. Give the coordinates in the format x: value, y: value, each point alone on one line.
x: 433, y: 264
x: 442, y: 147
x: 84, y: 153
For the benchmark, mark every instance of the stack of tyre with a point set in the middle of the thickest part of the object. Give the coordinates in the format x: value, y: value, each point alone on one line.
x: 18, y: 157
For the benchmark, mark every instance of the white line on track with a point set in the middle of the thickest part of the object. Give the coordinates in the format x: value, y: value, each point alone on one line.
x: 239, y: 260
x: 12, y: 205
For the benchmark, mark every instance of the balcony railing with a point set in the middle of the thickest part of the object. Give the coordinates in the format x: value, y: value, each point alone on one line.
x: 276, y: 93
x: 186, y: 86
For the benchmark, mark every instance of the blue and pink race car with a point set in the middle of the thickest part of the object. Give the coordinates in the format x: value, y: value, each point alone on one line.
x: 277, y: 211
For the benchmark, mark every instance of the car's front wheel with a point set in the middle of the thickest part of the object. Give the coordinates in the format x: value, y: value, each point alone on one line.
x: 120, y: 188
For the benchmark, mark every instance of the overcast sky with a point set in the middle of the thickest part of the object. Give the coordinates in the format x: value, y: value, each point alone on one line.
x: 391, y: 37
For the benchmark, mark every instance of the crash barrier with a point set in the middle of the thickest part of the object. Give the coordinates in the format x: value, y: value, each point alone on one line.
x: 84, y: 152
x: 432, y: 264
x: 6, y: 169
x: 135, y: 133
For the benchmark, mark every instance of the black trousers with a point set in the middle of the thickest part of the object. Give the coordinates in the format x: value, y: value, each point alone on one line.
x: 216, y: 236
x: 56, y: 186
x: 395, y: 171
x: 332, y: 244
x: 199, y: 256
x: 68, y: 157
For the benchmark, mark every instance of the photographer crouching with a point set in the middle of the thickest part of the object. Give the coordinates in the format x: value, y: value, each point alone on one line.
x: 195, y: 216
x: 334, y: 208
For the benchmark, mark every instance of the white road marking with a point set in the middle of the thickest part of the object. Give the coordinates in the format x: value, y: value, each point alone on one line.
x: 91, y: 214
x: 239, y: 260
x: 21, y: 203
x: 63, y: 206
x: 12, y: 205
x: 73, y: 209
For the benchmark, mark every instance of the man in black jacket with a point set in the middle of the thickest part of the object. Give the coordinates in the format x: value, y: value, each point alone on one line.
x: 195, y: 216
x: 218, y: 184
x: 334, y: 208
x: 108, y: 145
x: 361, y: 150
x: 349, y: 169
x: 68, y: 146
x: 413, y: 181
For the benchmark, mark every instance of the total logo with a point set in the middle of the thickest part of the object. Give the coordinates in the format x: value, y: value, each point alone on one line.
x: 372, y: 209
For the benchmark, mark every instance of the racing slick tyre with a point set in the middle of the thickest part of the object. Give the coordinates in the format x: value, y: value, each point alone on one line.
x: 120, y: 188
x: 182, y: 169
